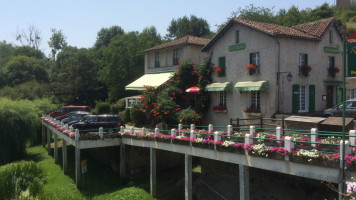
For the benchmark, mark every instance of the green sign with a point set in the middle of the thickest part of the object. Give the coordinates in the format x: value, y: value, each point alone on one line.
x: 237, y: 47
x: 351, y: 59
x: 331, y: 50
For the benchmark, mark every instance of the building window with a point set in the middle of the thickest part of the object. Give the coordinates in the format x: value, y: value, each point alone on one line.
x: 331, y: 61
x: 157, y: 59
x: 255, y: 99
x: 222, y: 98
x: 331, y: 39
x: 351, y: 94
x: 303, y: 59
x: 303, y: 99
x: 175, y: 56
x: 237, y: 37
x: 255, y: 59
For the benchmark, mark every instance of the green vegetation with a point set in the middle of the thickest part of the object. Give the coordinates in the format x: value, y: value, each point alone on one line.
x: 21, y: 180
x: 19, y: 123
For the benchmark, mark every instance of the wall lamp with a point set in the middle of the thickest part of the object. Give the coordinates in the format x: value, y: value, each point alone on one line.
x: 289, y: 75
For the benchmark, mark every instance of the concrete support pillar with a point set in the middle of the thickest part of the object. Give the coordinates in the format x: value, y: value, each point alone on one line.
x: 55, y: 148
x: 288, y: 145
x: 252, y: 130
x: 244, y: 182
x: 352, y: 138
x: 43, y: 136
x: 48, y: 141
x: 64, y: 155
x: 153, y: 182
x: 77, y: 165
x: 122, y: 164
x: 188, y: 177
x: 279, y: 132
x: 229, y: 130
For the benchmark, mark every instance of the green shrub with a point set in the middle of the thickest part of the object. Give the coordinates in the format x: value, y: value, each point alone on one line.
x: 102, y: 107
x: 137, y: 117
x: 21, y: 180
x: 127, y: 115
x: 189, y: 116
x: 121, y: 104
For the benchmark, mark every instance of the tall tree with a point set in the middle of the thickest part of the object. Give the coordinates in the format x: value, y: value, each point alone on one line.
x: 105, y: 35
x: 57, y: 42
x: 188, y: 26
x: 30, y: 37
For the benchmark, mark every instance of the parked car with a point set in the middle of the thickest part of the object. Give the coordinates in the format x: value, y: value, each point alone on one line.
x: 77, y: 116
x: 84, y: 118
x: 66, y: 109
x: 350, y: 109
x: 66, y: 115
x: 95, y: 122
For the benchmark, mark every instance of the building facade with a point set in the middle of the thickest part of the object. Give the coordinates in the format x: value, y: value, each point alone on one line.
x: 269, y: 69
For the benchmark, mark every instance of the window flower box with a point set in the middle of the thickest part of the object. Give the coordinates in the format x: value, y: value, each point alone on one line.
x: 305, y: 70
x: 251, y: 68
x: 218, y: 69
x: 220, y: 108
x: 332, y: 71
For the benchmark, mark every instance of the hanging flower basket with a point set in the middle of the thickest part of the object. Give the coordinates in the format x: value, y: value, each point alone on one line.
x: 219, y: 108
x: 251, y: 68
x: 332, y: 71
x: 305, y: 70
x: 218, y: 69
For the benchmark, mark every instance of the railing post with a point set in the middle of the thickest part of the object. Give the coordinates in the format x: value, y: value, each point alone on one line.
x: 101, y: 131
x: 180, y: 127
x: 352, y: 138
x: 278, y: 132
x: 132, y: 130
x: 210, y: 128
x: 192, y: 127
x: 217, y: 138
x: 252, y: 130
x: 229, y: 130
x: 313, y: 136
x: 122, y: 129
x: 192, y: 136
x: 173, y: 132
x: 288, y: 145
x: 66, y: 127
x: 76, y: 134
x: 248, y: 139
x: 156, y: 131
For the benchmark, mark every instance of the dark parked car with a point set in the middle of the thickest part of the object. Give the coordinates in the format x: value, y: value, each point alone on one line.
x: 75, y: 117
x: 95, y: 122
x: 336, y: 111
x: 60, y: 118
x: 85, y: 118
x: 66, y: 109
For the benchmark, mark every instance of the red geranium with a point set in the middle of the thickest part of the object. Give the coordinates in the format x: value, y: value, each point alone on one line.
x: 251, y: 67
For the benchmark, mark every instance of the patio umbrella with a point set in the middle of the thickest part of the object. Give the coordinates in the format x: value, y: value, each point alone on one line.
x: 193, y: 89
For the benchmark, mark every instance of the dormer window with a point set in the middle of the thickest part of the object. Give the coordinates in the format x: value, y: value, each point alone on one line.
x: 237, y: 37
x: 157, y: 58
x: 331, y: 39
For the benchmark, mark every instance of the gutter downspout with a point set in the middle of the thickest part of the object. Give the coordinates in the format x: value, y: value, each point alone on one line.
x: 278, y: 74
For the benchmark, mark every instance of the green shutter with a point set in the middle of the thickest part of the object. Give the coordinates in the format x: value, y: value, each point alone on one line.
x: 311, y: 98
x: 250, y: 58
x: 222, y: 64
x: 295, y: 98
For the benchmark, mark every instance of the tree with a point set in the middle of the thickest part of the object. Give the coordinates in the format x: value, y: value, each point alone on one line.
x: 31, y: 37
x: 6, y: 51
x: 74, y: 77
x: 57, y: 42
x: 181, y: 27
x: 105, y: 35
x: 21, y: 69
x: 29, y: 52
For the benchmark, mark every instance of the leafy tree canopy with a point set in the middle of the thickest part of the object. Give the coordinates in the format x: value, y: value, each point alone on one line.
x: 57, y: 42
x: 188, y: 26
x: 105, y: 35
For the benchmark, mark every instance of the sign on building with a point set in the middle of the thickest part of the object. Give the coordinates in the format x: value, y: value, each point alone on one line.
x: 352, y: 59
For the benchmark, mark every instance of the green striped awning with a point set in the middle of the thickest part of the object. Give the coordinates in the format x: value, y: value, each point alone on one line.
x: 251, y: 86
x: 215, y: 87
x: 152, y: 80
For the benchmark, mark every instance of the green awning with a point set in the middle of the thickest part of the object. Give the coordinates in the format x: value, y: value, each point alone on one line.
x: 214, y: 87
x: 251, y: 86
x: 152, y: 80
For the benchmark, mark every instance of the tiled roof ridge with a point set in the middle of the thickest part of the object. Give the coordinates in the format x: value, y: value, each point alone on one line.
x: 188, y: 39
x: 315, y: 28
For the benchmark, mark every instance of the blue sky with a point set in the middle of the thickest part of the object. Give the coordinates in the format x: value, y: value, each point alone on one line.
x: 80, y: 20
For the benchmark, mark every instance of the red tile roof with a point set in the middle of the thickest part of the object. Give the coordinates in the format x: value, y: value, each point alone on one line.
x: 308, y: 31
x: 316, y: 28
x: 187, y: 40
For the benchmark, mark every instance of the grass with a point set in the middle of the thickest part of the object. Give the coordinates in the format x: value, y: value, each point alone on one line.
x: 101, y: 182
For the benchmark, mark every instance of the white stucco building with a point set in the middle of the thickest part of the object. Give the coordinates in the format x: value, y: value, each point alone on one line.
x: 282, y: 81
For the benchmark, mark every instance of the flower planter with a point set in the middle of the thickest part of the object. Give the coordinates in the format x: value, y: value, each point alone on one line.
x: 112, y: 135
x: 231, y: 149
x: 269, y: 143
x: 89, y: 137
x: 164, y: 140
x: 181, y: 142
x: 237, y: 139
x: 328, y: 148
x: 203, y: 145
x: 270, y: 155
x: 308, y: 161
x: 304, y: 146
x: 148, y: 138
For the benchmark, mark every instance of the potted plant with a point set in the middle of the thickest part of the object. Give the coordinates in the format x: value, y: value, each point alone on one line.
x: 305, y: 70
x: 251, y: 68
x: 218, y: 69
x: 220, y: 108
x: 333, y: 70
